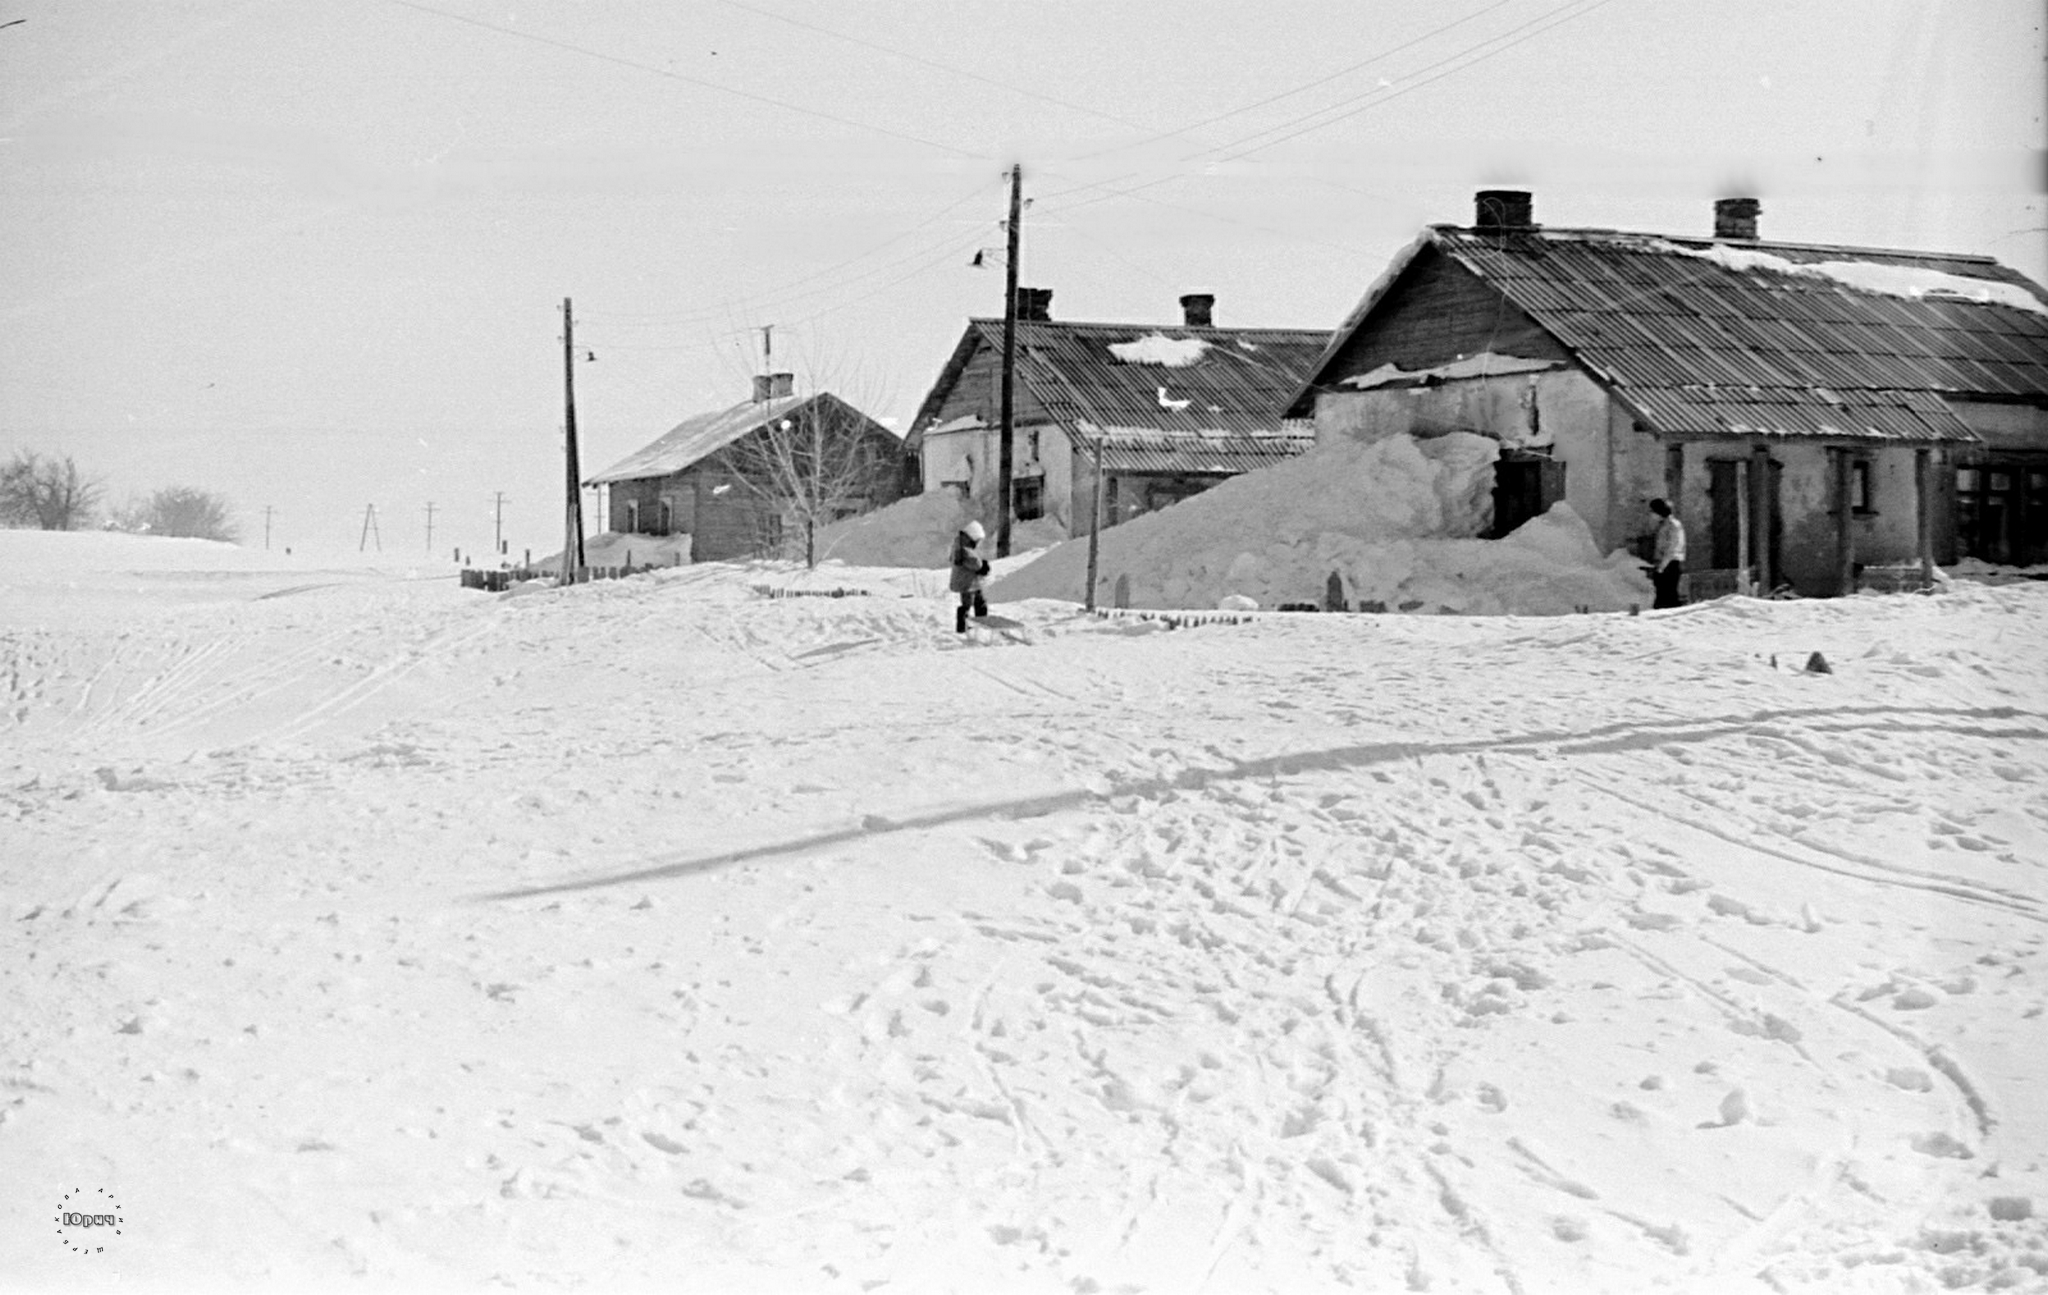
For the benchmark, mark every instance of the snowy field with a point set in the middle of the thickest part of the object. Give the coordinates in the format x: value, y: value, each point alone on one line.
x: 363, y: 931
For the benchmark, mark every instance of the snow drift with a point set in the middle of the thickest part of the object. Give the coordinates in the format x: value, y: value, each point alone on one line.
x: 1378, y: 515
x: 918, y: 531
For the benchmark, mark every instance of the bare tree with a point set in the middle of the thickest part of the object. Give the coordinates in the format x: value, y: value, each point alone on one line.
x: 47, y: 492
x: 181, y: 511
x: 816, y: 464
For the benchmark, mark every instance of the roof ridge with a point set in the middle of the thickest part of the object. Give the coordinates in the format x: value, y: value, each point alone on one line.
x: 1709, y: 240
x: 997, y: 321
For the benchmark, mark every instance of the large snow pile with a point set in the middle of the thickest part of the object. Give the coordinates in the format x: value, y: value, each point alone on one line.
x: 1375, y: 514
x: 918, y: 531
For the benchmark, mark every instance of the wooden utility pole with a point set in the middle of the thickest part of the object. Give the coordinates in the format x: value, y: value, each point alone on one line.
x: 498, y: 522
x: 430, y: 526
x: 1923, y: 495
x: 1845, y: 524
x: 1009, y: 431
x: 572, y: 539
x: 369, y: 529
x: 1095, y: 523
x: 267, y: 511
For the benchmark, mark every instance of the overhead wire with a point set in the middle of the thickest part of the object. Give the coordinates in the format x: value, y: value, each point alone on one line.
x: 686, y: 79
x: 665, y: 318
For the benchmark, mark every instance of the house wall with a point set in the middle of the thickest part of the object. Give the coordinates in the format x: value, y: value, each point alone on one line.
x: 712, y: 504
x: 970, y: 454
x: 1559, y: 411
x: 1887, y: 535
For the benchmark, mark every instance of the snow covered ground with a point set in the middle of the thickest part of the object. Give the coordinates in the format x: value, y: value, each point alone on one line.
x: 365, y: 930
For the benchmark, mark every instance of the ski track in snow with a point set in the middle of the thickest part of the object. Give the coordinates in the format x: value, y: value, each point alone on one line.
x: 659, y: 933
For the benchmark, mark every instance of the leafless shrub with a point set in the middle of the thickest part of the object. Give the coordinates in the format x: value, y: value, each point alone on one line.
x: 47, y: 492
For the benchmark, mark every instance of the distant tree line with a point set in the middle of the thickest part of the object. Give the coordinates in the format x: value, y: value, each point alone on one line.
x: 50, y: 492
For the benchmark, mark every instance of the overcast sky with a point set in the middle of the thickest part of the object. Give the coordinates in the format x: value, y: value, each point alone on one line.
x: 312, y: 255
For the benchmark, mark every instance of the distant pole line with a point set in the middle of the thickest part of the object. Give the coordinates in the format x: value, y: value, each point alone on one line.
x: 267, y: 511
x: 498, y: 524
x: 370, y: 529
x: 430, y: 526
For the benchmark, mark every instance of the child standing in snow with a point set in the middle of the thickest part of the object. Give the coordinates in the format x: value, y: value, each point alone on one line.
x: 968, y: 569
x: 1668, y: 559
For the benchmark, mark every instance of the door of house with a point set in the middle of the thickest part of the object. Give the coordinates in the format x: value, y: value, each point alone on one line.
x: 2002, y: 511
x: 1525, y: 485
x: 1728, y: 494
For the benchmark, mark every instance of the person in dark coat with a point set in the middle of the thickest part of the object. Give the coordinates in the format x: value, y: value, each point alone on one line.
x: 1667, y: 561
x: 968, y: 569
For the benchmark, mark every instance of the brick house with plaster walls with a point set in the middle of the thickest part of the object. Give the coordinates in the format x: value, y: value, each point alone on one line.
x: 1175, y: 408
x: 1812, y: 411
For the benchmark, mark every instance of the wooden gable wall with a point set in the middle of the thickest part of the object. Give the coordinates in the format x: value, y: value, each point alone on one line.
x: 1436, y: 312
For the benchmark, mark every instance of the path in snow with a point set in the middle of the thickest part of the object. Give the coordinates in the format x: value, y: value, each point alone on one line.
x: 658, y: 931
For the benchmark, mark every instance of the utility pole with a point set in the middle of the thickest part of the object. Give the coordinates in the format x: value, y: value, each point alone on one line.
x: 369, y: 529
x: 572, y: 541
x: 267, y: 511
x: 1095, y: 523
x: 767, y: 348
x: 430, y: 526
x: 498, y: 523
x: 1008, y: 434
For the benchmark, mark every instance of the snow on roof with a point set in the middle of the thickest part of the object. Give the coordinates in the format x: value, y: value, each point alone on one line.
x: 1158, y: 348
x: 1484, y: 365
x: 1911, y: 281
x: 695, y: 438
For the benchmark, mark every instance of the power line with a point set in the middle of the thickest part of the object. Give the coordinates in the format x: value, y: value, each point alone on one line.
x: 946, y: 67
x: 662, y: 318
x: 1300, y: 89
x: 1388, y: 93
x: 686, y: 80
x: 1385, y: 94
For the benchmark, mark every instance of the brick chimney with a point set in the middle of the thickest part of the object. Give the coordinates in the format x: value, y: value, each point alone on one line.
x: 1736, y: 218
x: 1034, y: 304
x: 1501, y: 209
x: 772, y: 386
x: 1197, y: 309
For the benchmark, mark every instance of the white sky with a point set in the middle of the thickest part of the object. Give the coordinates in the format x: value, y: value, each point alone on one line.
x: 313, y: 256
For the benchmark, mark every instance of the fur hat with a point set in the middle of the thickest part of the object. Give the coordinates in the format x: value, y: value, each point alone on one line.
x: 973, y: 531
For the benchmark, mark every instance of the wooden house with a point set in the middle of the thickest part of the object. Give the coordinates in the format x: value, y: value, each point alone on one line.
x: 1173, y: 408
x: 1809, y: 410
x: 713, y: 477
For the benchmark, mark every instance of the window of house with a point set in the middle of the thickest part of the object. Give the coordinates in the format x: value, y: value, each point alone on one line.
x: 1028, y: 497
x: 1859, y: 486
x: 668, y: 518
x: 632, y: 517
x: 1034, y: 444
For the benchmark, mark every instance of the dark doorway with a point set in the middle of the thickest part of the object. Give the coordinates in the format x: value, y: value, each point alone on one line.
x: 1726, y: 484
x: 1525, y: 485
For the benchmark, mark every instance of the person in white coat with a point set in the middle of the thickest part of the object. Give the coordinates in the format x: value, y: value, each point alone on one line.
x: 1667, y: 561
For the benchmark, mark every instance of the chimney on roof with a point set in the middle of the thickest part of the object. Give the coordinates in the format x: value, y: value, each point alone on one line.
x: 1197, y: 309
x: 771, y: 386
x: 1736, y: 217
x: 1034, y: 304
x: 1499, y: 209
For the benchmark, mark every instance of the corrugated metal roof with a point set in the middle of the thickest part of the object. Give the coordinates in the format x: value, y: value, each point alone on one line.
x: 1196, y: 454
x: 1773, y: 338
x: 694, y: 438
x: 1239, y: 383
x: 1755, y: 338
x: 1782, y: 411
